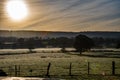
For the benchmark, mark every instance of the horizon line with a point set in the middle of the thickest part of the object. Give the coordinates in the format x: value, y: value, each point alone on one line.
x: 56, y: 31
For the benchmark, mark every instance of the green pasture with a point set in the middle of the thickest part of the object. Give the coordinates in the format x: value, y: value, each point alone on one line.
x: 35, y: 64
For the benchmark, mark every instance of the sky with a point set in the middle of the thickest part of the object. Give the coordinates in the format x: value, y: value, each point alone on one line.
x: 65, y: 15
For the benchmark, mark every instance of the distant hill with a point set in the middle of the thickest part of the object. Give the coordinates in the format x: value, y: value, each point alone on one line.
x: 50, y: 34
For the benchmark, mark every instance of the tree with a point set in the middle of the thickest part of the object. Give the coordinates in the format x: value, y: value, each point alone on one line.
x: 118, y: 45
x: 1, y: 45
x: 21, y: 42
x: 63, y: 43
x: 30, y: 44
x: 83, y: 43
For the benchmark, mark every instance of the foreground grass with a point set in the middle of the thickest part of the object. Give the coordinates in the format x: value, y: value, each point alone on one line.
x: 35, y: 64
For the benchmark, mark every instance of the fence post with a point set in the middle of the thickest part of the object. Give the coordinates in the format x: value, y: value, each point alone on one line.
x: 15, y: 70
x: 113, y: 67
x: 70, y: 69
x: 19, y: 70
x: 48, y: 69
x: 88, y: 68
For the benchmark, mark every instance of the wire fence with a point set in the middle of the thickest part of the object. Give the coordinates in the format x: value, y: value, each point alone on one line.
x: 51, y: 69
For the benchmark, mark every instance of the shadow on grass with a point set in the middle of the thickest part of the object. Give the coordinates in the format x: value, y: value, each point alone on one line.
x: 100, y: 55
x: 28, y: 52
x: 3, y: 54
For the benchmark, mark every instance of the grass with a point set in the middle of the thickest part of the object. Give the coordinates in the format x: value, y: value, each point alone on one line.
x: 35, y: 64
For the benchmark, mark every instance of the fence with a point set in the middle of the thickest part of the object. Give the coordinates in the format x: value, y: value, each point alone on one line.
x: 49, y: 69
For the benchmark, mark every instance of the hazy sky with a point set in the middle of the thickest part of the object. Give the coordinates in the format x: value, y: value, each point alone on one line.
x: 66, y: 15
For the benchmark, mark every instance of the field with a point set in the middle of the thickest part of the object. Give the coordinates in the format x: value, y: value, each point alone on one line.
x: 35, y: 64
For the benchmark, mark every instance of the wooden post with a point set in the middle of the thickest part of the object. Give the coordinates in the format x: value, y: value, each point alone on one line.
x: 15, y: 70
x: 48, y: 69
x: 88, y: 68
x: 70, y: 70
x: 113, y: 67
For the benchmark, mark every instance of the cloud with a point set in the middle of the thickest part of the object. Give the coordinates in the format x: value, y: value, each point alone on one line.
x: 74, y: 15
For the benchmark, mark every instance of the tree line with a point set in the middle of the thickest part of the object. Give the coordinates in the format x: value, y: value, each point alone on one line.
x: 36, y: 42
x: 61, y: 42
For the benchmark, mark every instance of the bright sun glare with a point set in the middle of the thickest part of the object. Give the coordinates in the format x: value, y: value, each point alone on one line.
x: 16, y: 9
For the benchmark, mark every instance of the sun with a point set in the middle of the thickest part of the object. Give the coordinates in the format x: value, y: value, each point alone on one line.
x: 16, y: 9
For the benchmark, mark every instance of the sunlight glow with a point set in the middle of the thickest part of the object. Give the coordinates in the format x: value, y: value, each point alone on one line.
x: 16, y: 9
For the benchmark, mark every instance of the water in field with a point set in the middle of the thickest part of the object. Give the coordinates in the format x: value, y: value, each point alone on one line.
x: 37, y: 49
x: 23, y: 78
x: 57, y: 49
